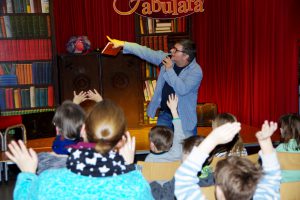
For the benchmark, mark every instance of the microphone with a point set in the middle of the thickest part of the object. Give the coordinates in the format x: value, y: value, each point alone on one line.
x: 162, y: 63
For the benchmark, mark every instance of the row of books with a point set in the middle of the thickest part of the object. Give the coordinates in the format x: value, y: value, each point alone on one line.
x: 149, y: 89
x: 24, y: 6
x: 152, y: 26
x: 8, y: 80
x: 29, y: 26
x: 156, y: 43
x: 22, y: 98
x: 31, y: 49
x: 146, y: 118
x: 33, y: 73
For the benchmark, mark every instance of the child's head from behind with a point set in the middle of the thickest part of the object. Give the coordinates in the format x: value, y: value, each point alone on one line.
x: 223, y: 118
x: 236, y: 178
x: 68, y: 120
x: 236, y: 145
x: 189, y: 143
x: 161, y: 138
x: 290, y: 127
x: 105, y: 126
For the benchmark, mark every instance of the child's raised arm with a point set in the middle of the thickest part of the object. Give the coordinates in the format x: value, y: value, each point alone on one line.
x: 172, y: 104
x: 264, y: 137
x: 186, y: 179
x: 269, y: 184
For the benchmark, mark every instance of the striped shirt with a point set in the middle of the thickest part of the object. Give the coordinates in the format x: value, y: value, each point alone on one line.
x: 186, y: 177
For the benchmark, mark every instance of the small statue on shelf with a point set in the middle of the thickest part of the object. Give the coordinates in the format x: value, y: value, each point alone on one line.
x: 80, y: 44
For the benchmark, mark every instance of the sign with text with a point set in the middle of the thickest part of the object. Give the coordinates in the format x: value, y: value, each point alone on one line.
x: 162, y: 8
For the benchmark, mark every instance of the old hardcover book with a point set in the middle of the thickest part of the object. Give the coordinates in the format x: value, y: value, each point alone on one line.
x: 109, y: 50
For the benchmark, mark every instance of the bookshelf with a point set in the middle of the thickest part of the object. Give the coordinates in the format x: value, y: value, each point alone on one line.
x: 157, y: 34
x: 27, y: 80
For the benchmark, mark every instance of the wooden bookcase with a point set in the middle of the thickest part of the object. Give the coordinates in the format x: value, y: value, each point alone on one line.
x: 157, y: 34
x: 27, y: 57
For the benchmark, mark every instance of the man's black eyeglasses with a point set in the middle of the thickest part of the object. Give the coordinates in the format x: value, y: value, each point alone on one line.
x: 174, y: 48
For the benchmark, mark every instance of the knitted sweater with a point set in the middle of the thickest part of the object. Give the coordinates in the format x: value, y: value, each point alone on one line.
x: 186, y: 177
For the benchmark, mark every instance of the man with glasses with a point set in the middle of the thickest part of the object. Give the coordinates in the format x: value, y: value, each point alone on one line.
x: 179, y: 74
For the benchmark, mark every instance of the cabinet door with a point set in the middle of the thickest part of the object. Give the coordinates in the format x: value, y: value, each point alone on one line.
x: 78, y: 73
x: 122, y: 84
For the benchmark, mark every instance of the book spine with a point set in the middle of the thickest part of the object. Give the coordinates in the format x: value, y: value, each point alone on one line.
x: 50, y: 96
x: 32, y: 97
x: 7, y: 26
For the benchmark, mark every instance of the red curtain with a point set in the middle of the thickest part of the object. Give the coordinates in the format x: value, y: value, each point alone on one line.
x: 93, y: 18
x: 247, y: 49
x: 248, y: 53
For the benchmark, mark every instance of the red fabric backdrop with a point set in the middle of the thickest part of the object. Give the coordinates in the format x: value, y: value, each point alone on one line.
x: 247, y: 49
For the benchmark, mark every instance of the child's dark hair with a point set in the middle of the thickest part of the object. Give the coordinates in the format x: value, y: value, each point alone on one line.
x: 290, y: 129
x: 105, y: 126
x: 161, y: 137
x: 237, y: 177
x: 68, y: 119
x: 189, y: 143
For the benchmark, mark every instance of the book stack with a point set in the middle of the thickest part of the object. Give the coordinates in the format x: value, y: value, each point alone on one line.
x: 153, y: 26
x: 163, y: 26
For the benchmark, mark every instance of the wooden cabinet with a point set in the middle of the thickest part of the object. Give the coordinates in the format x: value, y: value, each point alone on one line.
x: 115, y: 77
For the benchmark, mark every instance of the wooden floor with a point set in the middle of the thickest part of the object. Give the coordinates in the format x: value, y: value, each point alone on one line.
x: 142, y: 142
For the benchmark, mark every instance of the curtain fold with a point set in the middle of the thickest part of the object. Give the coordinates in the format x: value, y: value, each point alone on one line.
x: 248, y: 52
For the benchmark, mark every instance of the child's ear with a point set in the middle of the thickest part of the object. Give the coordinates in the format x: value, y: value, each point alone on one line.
x: 219, y: 193
x: 153, y: 147
x: 213, y: 124
x: 83, y: 133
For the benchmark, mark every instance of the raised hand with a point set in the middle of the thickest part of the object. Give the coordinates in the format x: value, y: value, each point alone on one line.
x: 172, y: 104
x: 225, y: 133
x: 267, y: 130
x: 25, y: 159
x: 116, y: 43
x: 264, y: 137
x: 94, y: 95
x: 220, y: 135
x: 128, y: 148
x: 79, y: 98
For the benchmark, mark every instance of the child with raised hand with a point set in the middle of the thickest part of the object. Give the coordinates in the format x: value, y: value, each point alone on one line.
x: 232, y: 148
x: 235, y: 177
x: 95, y: 170
x: 290, y: 133
x: 165, y: 145
x: 68, y: 121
